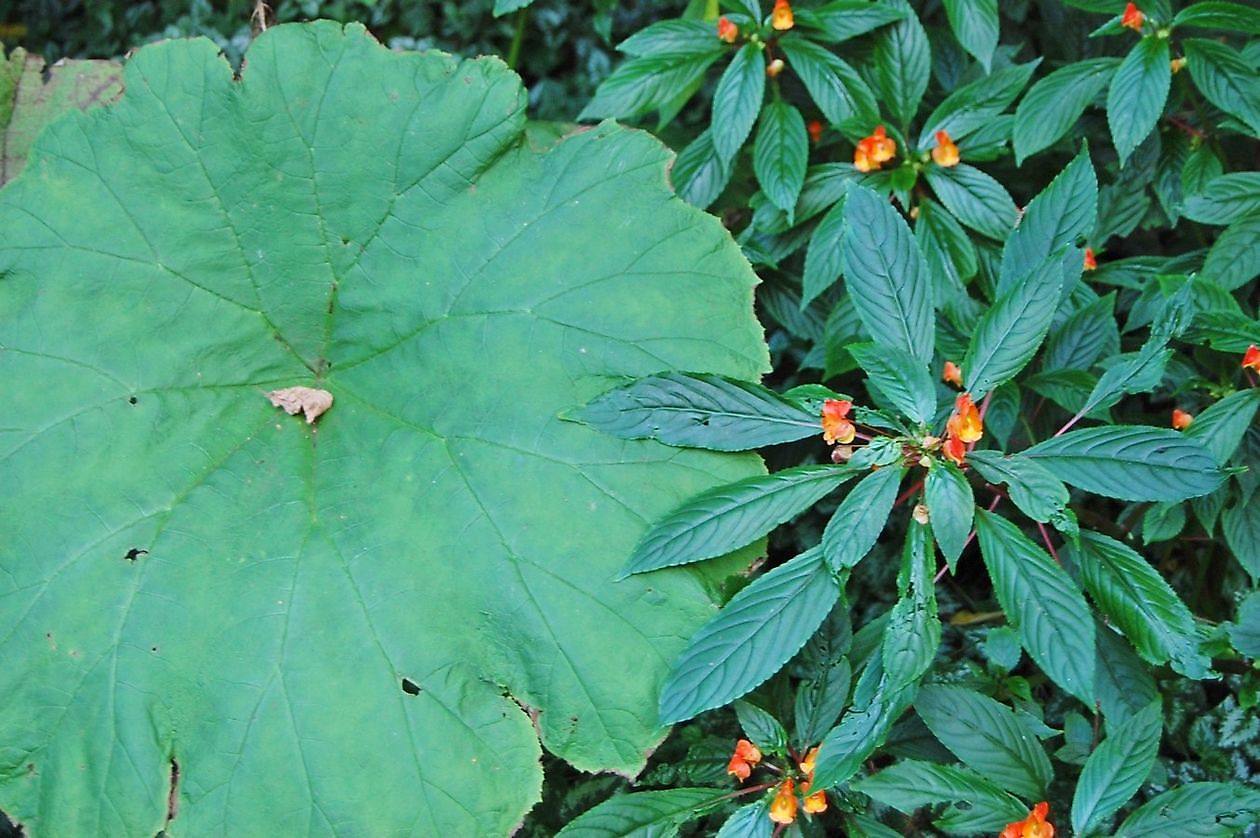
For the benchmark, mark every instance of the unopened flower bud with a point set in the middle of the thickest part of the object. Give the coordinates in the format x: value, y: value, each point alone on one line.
x: 841, y: 453
x: 921, y: 513
x: 774, y: 67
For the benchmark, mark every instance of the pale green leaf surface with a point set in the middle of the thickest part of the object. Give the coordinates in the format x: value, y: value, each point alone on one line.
x: 1056, y: 102
x: 644, y: 814
x: 1195, y: 810
x: 192, y: 575
x: 1116, y: 769
x: 975, y: 25
x: 737, y: 100
x: 1060, y: 214
x: 903, y: 63
x: 1137, y: 94
x: 951, y: 506
x: 1012, y: 330
x: 975, y: 199
x: 909, y: 784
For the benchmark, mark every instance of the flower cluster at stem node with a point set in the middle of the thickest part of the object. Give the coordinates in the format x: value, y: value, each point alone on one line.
x: 874, y: 150
x: 946, y: 152
x: 1033, y: 826
x: 781, y: 18
x: 963, y: 427
x: 1132, y: 18
x: 835, y: 422
x: 745, y: 757
x: 727, y: 31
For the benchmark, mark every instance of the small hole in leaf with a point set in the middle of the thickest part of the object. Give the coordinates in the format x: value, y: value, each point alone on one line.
x: 132, y: 400
x: 410, y: 687
x: 153, y: 648
x: 134, y: 553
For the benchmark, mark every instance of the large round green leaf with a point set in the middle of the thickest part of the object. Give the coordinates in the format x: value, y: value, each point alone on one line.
x: 361, y: 625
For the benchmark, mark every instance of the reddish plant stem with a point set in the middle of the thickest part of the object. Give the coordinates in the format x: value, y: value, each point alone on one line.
x: 1045, y: 537
x: 997, y: 498
x: 1186, y: 127
x: 907, y: 494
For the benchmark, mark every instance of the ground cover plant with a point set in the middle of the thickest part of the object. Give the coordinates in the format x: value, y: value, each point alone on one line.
x: 1008, y: 257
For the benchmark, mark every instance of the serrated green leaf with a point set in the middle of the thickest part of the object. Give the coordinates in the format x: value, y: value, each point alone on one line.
x: 820, y: 701
x: 1042, y: 602
x: 1234, y: 259
x: 751, y: 821
x: 646, y: 83
x: 675, y: 37
x: 1011, y: 332
x: 1163, y: 521
x: 1195, y: 810
x: 1138, y: 600
x: 430, y: 549
x: 913, y: 632
x: 886, y: 276
x: 1137, y: 93
x: 1080, y: 340
x: 1225, y: 199
x: 1061, y: 214
x: 1221, y: 427
x: 765, y: 731
x: 643, y: 814
x: 728, y: 517
x: 836, y: 88
x: 863, y: 728
x: 751, y: 637
x: 1122, y: 682
x: 824, y: 258
x: 951, y: 508
x: 947, y: 250
x: 909, y: 784
x: 1055, y: 103
x: 1226, y: 79
x: 699, y: 175
x: 975, y: 25
x: 975, y: 199
x: 1244, y: 632
x: 1240, y: 524
x: 902, y: 378
x: 841, y: 20
x: 860, y: 518
x: 903, y: 63
x: 973, y: 106
x: 737, y: 101
x: 1135, y: 372
x: 1131, y: 462
x: 1116, y: 769
x: 1216, y: 14
x: 780, y: 154
x: 986, y: 736
x: 1038, y: 493
x: 694, y: 410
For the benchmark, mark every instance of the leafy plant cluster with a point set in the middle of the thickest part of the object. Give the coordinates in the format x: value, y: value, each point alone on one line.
x: 1008, y: 258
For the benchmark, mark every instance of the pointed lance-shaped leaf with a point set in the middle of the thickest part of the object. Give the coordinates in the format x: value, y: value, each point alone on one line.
x: 728, y: 517
x: 860, y: 518
x: 910, y: 784
x: 900, y: 376
x: 840, y: 20
x: 837, y: 89
x: 1131, y: 462
x: 975, y: 198
x: 737, y: 100
x: 974, y: 106
x: 1205, y: 810
x: 644, y: 813
x: 1032, y: 487
x: 1226, y: 78
x: 1042, y: 602
x: 1061, y: 214
x: 1056, y: 102
x: 913, y: 633
x: 824, y: 257
x: 951, y: 507
x: 1116, y: 769
x: 780, y: 154
x: 1011, y: 332
x: 903, y: 63
x: 1137, y: 94
x: 750, y: 638
x: 886, y: 276
x: 975, y: 25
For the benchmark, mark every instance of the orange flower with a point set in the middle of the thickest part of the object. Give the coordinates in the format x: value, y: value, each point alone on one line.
x: 1091, y: 264
x: 946, y: 153
x: 965, y: 423
x: 874, y: 150
x: 1133, y: 18
x: 1177, y: 64
x: 814, y: 803
x: 783, y: 807
x: 774, y: 67
x: 1251, y: 358
x: 836, y: 426
x: 727, y: 31
x: 954, y: 449
x: 745, y: 757
x: 952, y: 374
x: 1033, y: 826
x: 781, y: 18
x: 815, y: 129
x: 1180, y: 419
x: 807, y: 764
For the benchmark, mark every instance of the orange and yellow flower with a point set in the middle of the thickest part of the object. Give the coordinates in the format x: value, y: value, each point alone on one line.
x: 946, y: 152
x: 965, y: 423
x: 1033, y: 826
x: 952, y: 374
x: 1251, y: 358
x: 742, y: 761
x: 781, y: 18
x: 783, y: 807
x: 1091, y: 264
x: 835, y: 422
x: 774, y: 68
x: 874, y: 150
x: 815, y: 129
x: 1132, y: 18
x: 727, y: 31
x: 1180, y: 419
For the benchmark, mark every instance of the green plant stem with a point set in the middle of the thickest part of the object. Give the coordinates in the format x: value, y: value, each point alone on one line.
x: 518, y: 37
